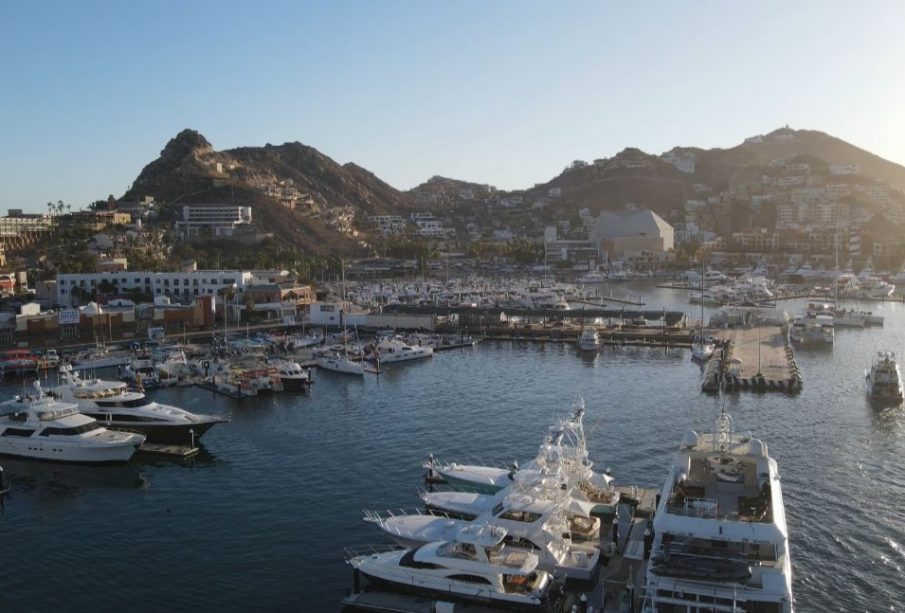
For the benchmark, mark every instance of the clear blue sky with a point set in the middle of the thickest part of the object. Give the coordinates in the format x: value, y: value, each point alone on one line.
x: 502, y: 92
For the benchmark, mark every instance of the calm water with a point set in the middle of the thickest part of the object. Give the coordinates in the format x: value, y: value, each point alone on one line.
x: 260, y: 519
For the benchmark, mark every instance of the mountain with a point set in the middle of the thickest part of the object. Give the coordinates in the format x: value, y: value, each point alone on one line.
x: 307, y: 200
x: 296, y: 192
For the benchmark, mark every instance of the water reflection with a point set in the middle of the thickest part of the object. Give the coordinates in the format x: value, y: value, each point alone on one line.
x: 49, y: 481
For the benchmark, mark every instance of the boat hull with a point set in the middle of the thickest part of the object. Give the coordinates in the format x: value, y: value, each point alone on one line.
x: 172, y: 434
x: 291, y: 384
x: 55, y: 451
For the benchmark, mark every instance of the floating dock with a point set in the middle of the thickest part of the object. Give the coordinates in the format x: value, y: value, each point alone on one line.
x: 759, y: 358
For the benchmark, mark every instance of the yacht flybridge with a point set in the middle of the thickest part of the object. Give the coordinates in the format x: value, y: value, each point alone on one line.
x: 111, y: 403
x: 477, y: 567
x: 39, y: 427
x: 721, y: 541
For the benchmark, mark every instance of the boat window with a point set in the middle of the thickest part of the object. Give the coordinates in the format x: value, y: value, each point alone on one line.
x: 470, y: 579
x: 75, y: 430
x: 408, y: 560
x: 498, y: 509
x: 135, y: 402
x: 17, y: 432
x: 525, y: 516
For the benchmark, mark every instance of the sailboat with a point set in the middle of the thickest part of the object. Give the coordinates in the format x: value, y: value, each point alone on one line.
x: 702, y: 349
x: 340, y: 362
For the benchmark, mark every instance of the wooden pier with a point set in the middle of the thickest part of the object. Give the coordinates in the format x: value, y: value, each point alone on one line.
x: 759, y: 358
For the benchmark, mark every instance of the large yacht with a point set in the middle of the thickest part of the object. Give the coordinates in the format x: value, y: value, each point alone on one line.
x: 884, y: 380
x: 111, y: 403
x: 40, y: 427
x: 721, y: 541
x: 564, y: 539
x: 478, y: 567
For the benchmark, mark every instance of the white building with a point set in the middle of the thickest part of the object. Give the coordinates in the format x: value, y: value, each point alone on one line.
x: 212, y: 219
x: 624, y: 234
x: 179, y: 286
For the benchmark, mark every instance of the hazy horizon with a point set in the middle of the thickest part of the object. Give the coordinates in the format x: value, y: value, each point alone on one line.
x: 506, y: 93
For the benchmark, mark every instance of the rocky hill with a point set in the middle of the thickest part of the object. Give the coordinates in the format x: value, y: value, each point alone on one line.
x: 309, y: 201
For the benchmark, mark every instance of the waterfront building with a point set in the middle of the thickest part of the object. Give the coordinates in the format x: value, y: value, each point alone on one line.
x: 637, y: 237
x: 77, y: 288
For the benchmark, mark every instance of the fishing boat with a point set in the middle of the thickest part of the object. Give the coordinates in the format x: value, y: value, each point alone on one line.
x: 293, y: 376
x: 478, y: 567
x: 884, y: 379
x: 39, y: 427
x: 720, y: 536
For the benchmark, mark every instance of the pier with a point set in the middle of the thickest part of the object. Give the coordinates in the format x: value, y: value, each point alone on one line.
x: 758, y: 358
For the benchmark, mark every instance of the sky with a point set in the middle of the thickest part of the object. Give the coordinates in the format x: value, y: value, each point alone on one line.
x: 501, y: 92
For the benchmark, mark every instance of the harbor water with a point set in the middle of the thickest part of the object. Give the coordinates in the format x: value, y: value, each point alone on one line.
x: 259, y: 519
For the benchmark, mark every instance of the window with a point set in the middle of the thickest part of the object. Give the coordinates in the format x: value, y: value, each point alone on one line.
x: 93, y: 425
x: 18, y: 432
x: 470, y: 579
x: 525, y: 516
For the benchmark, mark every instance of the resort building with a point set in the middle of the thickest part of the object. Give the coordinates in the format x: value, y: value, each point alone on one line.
x: 212, y: 220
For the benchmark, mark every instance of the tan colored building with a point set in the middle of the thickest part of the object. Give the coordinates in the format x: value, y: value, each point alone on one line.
x: 618, y: 234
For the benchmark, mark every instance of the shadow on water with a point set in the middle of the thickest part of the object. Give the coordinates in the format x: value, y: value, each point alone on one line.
x: 46, y: 480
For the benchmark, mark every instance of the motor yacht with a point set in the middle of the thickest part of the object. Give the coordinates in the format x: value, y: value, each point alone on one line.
x: 99, y: 356
x: 293, y: 376
x: 111, y: 403
x: 812, y: 331
x: 40, y: 427
x: 559, y: 529
x: 720, y: 537
x: 589, y: 340
x: 477, y: 567
x: 884, y: 379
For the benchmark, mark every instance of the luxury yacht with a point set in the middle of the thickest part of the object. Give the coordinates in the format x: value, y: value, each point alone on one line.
x: 564, y: 539
x: 589, y: 340
x: 562, y: 456
x: 477, y: 567
x: 111, y: 403
x: 40, y: 427
x: 721, y: 541
x: 884, y: 380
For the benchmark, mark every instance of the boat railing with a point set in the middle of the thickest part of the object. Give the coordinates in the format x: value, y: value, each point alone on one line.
x: 382, y: 516
x: 708, y: 508
x: 358, y: 551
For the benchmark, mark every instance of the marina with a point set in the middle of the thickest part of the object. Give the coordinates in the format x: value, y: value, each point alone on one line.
x: 482, y: 402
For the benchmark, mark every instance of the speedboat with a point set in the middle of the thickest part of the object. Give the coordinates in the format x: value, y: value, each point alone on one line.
x: 721, y: 541
x: 477, y: 567
x: 589, y: 340
x: 293, y: 376
x: 111, y: 403
x: 884, y: 380
x: 40, y: 427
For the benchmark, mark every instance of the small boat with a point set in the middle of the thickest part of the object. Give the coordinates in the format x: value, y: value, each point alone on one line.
x: 18, y: 361
x: 589, y: 340
x: 339, y: 363
x: 293, y: 376
x: 392, y: 350
x: 702, y: 350
x: 884, y: 379
x: 39, y: 427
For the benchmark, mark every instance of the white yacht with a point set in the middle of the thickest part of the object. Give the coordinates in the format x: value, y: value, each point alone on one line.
x: 99, y: 356
x: 589, y: 340
x: 391, y: 350
x: 563, y: 455
x: 884, y: 379
x: 721, y: 542
x: 702, y: 350
x: 564, y: 539
x: 478, y: 567
x: 42, y: 428
x: 293, y: 376
x: 111, y: 403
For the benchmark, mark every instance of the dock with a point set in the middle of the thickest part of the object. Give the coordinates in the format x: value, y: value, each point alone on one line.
x: 759, y: 358
x: 172, y: 451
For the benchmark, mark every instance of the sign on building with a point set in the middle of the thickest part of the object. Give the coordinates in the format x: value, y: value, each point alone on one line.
x: 68, y: 316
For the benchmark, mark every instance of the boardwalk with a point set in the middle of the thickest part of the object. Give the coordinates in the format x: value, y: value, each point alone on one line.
x: 760, y: 358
